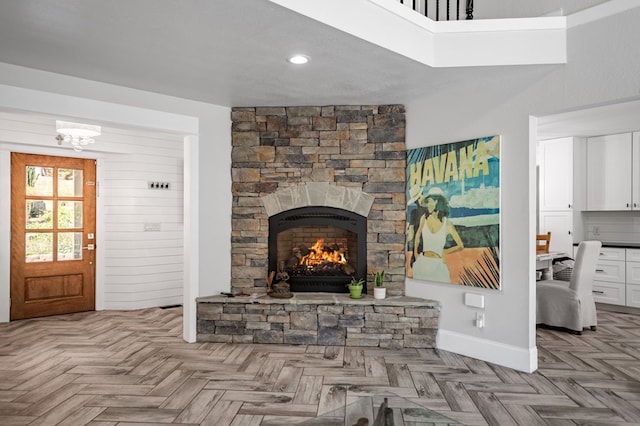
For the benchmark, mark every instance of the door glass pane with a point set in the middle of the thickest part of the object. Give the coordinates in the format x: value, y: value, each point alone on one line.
x: 69, y: 214
x: 39, y: 181
x: 39, y: 247
x: 69, y: 245
x: 39, y: 214
x: 69, y: 183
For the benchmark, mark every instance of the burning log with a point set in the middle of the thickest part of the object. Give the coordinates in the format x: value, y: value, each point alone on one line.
x: 319, y: 259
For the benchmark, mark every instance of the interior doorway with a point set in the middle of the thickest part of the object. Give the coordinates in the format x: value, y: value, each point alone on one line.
x: 53, y: 225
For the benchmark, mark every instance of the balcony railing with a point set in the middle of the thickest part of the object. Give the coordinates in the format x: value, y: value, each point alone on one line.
x: 439, y: 10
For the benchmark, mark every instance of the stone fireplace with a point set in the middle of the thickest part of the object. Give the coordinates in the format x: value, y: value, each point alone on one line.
x: 303, y: 174
x: 330, y: 173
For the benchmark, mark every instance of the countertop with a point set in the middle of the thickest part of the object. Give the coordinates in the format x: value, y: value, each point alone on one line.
x: 616, y: 244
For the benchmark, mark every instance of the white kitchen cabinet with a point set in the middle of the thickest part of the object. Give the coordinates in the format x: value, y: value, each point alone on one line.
x: 556, y: 174
x: 609, y: 281
x: 635, y: 172
x: 611, y: 161
x: 561, y: 190
x: 560, y: 224
x: 633, y: 278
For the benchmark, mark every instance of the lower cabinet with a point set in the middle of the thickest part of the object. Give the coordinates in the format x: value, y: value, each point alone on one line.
x: 617, y: 278
x: 560, y: 224
x: 633, y: 277
x: 609, y: 284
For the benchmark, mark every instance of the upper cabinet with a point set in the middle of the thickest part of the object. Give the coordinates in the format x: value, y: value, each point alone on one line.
x: 556, y: 174
x: 613, y: 172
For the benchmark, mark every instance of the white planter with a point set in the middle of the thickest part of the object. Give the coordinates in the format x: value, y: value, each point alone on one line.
x: 379, y: 292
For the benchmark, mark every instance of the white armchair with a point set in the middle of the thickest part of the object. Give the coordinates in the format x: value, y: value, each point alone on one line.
x: 570, y: 304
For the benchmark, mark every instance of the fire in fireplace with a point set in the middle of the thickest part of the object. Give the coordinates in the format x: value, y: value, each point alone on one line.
x: 320, y: 260
x: 320, y: 248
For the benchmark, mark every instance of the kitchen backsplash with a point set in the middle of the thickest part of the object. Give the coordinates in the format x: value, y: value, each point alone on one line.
x: 623, y: 227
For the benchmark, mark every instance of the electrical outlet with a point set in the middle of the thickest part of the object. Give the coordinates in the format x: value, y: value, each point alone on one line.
x: 596, y: 230
x: 152, y: 227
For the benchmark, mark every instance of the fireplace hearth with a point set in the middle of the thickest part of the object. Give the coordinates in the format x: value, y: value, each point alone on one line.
x: 319, y: 248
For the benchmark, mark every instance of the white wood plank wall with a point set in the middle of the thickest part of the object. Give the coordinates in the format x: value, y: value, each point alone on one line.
x: 141, y: 268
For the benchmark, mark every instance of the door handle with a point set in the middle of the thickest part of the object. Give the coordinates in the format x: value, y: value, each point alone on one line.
x: 89, y: 247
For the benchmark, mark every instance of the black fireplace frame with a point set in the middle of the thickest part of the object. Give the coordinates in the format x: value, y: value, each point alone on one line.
x: 316, y: 215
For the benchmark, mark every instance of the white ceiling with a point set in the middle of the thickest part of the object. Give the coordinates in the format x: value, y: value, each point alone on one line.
x: 227, y: 52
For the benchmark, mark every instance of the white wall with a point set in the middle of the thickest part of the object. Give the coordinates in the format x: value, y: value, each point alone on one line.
x: 497, y: 9
x: 599, y: 71
x: 207, y: 159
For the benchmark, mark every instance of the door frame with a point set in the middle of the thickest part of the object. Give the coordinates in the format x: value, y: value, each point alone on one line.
x: 74, y: 108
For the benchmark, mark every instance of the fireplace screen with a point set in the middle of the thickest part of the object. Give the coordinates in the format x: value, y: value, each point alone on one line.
x: 320, y: 248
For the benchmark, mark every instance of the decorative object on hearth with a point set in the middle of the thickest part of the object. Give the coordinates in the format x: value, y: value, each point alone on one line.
x: 355, y: 288
x: 280, y: 290
x: 379, y: 291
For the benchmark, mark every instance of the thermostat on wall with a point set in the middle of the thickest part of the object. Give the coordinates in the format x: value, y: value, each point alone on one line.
x: 475, y: 300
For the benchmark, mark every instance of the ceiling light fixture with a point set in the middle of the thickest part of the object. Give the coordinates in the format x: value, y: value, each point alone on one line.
x: 299, y: 59
x: 77, y: 134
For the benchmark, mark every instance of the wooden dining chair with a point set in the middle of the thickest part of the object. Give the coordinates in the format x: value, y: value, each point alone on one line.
x: 542, y: 242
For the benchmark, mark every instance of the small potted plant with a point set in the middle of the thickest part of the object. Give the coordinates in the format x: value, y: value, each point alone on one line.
x: 355, y: 287
x: 379, y: 291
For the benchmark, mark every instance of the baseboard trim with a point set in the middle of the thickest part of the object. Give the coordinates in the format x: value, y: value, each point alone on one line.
x: 520, y: 359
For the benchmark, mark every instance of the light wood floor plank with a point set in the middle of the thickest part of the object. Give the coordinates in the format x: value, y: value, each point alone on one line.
x: 111, y: 368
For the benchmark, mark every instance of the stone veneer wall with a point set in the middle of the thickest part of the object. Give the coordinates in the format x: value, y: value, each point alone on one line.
x: 360, y: 149
x: 318, y: 319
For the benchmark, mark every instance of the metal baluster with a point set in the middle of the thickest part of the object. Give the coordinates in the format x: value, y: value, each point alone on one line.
x: 448, y: 10
x: 457, y: 10
x: 437, y: 10
x: 469, y: 9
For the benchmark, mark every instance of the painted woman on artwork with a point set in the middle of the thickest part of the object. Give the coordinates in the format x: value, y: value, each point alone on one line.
x: 431, y: 237
x: 414, y: 213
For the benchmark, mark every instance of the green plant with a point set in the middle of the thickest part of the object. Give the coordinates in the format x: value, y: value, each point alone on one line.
x: 378, y: 278
x: 355, y: 287
x: 356, y: 282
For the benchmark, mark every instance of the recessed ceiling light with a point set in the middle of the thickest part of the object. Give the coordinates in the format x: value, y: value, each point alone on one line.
x: 299, y: 59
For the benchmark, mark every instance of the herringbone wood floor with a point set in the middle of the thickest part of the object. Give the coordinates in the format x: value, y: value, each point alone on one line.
x: 125, y: 368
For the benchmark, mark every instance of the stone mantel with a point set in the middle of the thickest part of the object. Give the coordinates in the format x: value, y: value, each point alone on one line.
x: 318, y: 194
